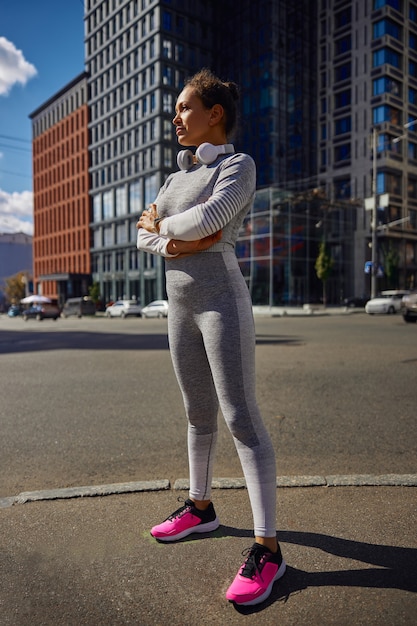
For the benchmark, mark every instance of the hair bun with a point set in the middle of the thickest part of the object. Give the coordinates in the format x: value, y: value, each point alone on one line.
x: 233, y: 89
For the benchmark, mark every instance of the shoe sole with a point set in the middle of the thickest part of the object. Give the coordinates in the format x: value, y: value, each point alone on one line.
x: 280, y: 573
x: 208, y: 527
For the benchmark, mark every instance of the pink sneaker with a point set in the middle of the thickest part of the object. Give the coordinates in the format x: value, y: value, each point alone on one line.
x: 253, y: 582
x: 186, y: 520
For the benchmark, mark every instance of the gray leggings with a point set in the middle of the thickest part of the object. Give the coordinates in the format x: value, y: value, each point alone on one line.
x: 212, y: 343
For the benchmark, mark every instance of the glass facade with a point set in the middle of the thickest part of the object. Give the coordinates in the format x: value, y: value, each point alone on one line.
x: 314, y: 79
x: 279, y: 244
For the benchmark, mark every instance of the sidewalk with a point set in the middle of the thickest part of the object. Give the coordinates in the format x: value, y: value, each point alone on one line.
x: 304, y: 310
x: 351, y: 553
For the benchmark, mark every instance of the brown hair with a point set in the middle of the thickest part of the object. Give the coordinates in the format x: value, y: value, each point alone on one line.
x: 211, y: 90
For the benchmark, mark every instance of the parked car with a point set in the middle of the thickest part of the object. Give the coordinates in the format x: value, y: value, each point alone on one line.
x: 157, y: 308
x: 409, y: 307
x: 124, y: 308
x: 14, y: 310
x: 355, y: 302
x: 388, y: 302
x: 79, y: 307
x: 41, y: 312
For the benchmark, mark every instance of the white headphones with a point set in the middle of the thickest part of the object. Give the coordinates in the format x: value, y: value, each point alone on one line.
x: 206, y: 154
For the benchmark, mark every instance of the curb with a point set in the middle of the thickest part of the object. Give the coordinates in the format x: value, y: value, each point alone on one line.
x: 347, y: 480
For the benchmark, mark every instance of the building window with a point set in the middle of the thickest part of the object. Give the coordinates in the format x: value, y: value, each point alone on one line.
x: 108, y: 236
x: 135, y: 198
x: 386, y: 55
x: 342, y: 189
x: 412, y: 188
x: 413, y: 13
x: 412, y: 95
x: 151, y: 189
x: 97, y: 208
x: 344, y: 125
x: 167, y: 75
x: 387, y: 27
x: 412, y: 152
x: 121, y: 201
x: 395, y: 4
x: 386, y: 113
x: 167, y: 103
x: 384, y: 142
x: 179, y: 52
x: 167, y: 49
x: 343, y: 72
x: 386, y: 85
x: 168, y: 130
x: 342, y: 18
x: 342, y: 153
x: 342, y: 99
x: 168, y: 157
x: 166, y: 21
x: 121, y: 234
x: 343, y: 45
x: 107, y: 205
x: 97, y: 238
x: 388, y: 183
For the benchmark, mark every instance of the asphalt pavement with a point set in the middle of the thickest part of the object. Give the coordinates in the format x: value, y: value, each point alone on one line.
x: 84, y: 556
x: 351, y: 553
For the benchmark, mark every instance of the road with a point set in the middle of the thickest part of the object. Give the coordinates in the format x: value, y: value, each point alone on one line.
x: 95, y: 401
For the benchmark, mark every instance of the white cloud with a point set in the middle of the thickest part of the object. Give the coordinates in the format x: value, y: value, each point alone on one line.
x: 13, y: 67
x: 16, y: 212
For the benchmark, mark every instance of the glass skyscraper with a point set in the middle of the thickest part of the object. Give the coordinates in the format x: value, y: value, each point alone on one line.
x: 316, y: 78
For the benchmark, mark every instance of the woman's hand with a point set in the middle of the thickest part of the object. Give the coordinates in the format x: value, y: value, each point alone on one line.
x: 147, y: 219
x: 185, y: 248
x: 176, y: 246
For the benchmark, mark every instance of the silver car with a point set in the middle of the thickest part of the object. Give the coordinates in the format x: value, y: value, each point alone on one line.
x: 157, y: 308
x: 388, y: 302
x: 124, y: 308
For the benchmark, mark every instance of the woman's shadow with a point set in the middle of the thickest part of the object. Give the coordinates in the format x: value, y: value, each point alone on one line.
x: 395, y: 568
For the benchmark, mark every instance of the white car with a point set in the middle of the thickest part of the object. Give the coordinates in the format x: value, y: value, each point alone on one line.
x: 388, y: 302
x: 157, y: 308
x: 124, y: 308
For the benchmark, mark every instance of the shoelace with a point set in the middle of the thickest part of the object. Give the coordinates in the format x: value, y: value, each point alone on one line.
x: 183, y: 509
x: 253, y: 562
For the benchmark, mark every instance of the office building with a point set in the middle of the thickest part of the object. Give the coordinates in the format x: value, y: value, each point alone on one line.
x: 367, y: 77
x: 61, y: 240
x: 138, y: 53
x: 317, y: 80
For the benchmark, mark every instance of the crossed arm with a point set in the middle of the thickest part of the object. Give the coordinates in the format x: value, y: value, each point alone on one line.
x: 176, y: 247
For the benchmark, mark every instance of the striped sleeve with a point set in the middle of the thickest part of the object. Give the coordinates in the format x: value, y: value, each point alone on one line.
x: 233, y: 190
x: 155, y: 244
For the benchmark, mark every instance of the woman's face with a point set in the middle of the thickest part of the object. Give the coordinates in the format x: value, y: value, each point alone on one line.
x: 192, y: 120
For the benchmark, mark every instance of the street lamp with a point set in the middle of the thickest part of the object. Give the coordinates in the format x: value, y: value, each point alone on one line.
x: 406, y: 126
x: 374, y: 220
x: 373, y: 204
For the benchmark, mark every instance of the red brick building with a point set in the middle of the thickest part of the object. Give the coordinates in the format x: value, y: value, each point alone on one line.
x: 62, y: 215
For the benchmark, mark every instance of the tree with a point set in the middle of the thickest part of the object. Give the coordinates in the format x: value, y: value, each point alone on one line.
x: 15, y: 289
x: 94, y: 292
x: 323, y: 267
x: 391, y: 264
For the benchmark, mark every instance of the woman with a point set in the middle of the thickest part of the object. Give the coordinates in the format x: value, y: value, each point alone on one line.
x: 194, y: 224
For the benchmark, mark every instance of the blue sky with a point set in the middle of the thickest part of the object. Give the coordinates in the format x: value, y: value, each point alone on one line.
x: 41, y: 50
